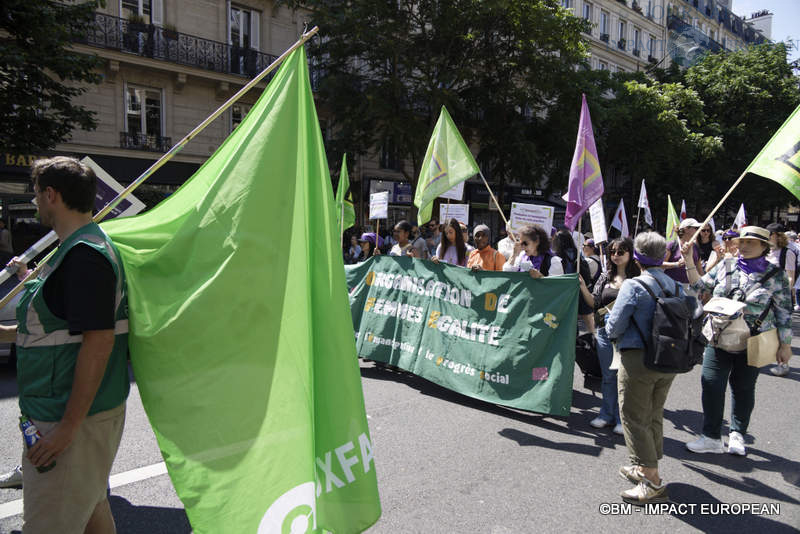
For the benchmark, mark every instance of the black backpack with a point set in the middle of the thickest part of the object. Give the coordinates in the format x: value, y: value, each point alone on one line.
x: 676, y: 342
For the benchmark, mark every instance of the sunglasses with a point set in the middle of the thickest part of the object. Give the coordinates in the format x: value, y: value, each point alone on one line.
x: 617, y: 252
x: 705, y: 230
x: 526, y: 243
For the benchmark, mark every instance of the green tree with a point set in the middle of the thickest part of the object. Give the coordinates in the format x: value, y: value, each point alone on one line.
x: 748, y: 94
x: 388, y: 67
x: 40, y: 75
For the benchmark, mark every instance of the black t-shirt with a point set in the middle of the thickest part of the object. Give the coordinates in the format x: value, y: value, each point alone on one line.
x: 82, y: 290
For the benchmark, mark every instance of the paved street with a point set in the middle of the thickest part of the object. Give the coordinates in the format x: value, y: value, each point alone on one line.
x: 447, y: 463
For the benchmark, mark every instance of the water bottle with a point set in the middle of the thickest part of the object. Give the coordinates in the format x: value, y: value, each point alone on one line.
x: 32, y: 435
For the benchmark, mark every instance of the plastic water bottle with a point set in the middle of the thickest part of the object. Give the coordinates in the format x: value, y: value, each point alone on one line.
x: 32, y: 435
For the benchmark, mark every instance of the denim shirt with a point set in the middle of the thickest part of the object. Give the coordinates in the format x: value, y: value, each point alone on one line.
x: 633, y: 301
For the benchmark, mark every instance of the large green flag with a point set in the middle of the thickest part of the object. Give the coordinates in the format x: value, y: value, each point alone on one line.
x: 447, y: 162
x: 241, y: 336
x: 344, y: 199
x: 673, y: 222
x: 779, y: 160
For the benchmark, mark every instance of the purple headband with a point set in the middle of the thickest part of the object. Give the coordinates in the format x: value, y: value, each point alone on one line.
x: 646, y: 260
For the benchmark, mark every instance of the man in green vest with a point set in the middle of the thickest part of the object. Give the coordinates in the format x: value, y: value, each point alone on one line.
x: 72, y: 346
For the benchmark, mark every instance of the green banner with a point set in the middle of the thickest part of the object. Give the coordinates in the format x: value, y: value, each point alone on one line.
x: 500, y: 337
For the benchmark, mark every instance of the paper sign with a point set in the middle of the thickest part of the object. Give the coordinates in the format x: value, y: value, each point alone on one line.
x: 531, y: 214
x: 454, y: 193
x: 598, y: 218
x: 459, y: 212
x: 379, y: 205
x: 108, y: 189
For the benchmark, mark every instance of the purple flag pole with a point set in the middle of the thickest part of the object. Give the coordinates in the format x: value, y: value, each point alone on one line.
x: 585, y: 178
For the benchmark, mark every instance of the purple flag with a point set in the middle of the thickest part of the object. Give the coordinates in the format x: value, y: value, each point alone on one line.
x: 585, y: 180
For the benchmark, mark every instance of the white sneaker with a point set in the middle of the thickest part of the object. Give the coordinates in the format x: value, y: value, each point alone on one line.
x: 618, y: 430
x: 736, y: 444
x: 599, y: 422
x: 706, y: 444
x: 780, y: 369
x: 12, y: 479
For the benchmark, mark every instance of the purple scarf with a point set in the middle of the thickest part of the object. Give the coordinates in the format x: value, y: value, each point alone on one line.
x: 536, y: 261
x: 753, y: 265
x: 647, y: 261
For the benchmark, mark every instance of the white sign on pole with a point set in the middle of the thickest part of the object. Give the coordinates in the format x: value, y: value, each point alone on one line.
x: 108, y: 189
x: 459, y: 212
x: 531, y: 214
x: 454, y: 193
x: 379, y: 205
x: 599, y: 233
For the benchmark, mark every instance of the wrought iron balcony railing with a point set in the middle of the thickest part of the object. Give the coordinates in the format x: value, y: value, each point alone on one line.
x: 151, y: 41
x: 140, y: 141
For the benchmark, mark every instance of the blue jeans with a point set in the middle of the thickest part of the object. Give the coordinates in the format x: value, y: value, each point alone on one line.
x: 719, y: 368
x: 609, y: 409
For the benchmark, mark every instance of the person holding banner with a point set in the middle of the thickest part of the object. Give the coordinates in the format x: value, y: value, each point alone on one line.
x: 532, y: 254
x: 452, y: 249
x: 484, y: 257
x: 620, y: 267
x: 371, y: 244
x: 642, y: 391
x: 72, y: 348
x: 766, y: 290
x: 402, y: 231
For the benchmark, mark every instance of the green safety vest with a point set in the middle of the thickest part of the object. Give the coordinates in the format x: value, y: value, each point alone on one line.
x: 47, y: 353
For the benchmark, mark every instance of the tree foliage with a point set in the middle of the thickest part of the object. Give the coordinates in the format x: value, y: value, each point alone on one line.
x: 40, y: 76
x: 388, y: 67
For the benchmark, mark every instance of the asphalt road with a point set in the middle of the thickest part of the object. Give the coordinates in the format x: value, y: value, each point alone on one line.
x: 447, y: 463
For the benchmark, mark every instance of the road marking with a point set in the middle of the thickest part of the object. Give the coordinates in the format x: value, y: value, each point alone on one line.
x: 12, y: 508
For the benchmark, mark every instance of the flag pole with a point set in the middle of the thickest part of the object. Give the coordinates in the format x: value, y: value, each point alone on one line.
x: 496, y: 203
x: 636, y: 230
x: 718, y: 206
x: 7, y: 272
x: 377, y: 234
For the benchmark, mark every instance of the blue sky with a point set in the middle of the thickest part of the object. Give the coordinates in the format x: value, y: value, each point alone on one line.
x: 785, y: 23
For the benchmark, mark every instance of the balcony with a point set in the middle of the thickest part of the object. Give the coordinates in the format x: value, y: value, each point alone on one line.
x: 651, y: 59
x: 604, y: 37
x: 621, y: 44
x: 147, y: 40
x: 140, y: 141
x: 637, y: 52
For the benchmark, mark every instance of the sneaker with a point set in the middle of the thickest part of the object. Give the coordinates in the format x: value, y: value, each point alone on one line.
x: 599, y: 422
x: 780, y: 369
x: 618, y: 429
x: 632, y: 473
x: 645, y: 492
x: 12, y: 479
x: 797, y: 307
x: 706, y: 444
x: 736, y: 444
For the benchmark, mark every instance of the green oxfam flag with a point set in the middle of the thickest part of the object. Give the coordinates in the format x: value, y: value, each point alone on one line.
x: 447, y: 162
x: 673, y: 222
x: 241, y: 339
x: 780, y: 159
x: 344, y: 199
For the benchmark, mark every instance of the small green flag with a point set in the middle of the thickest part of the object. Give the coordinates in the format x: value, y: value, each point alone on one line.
x: 779, y: 160
x: 242, y: 340
x: 673, y: 222
x: 447, y: 162
x: 344, y: 199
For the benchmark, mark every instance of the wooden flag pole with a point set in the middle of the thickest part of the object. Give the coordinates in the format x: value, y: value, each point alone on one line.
x: 377, y: 234
x: 496, y: 203
x: 636, y: 230
x: 718, y: 206
x: 7, y: 272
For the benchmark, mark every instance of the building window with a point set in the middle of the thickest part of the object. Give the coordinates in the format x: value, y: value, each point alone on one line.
x: 149, y: 10
x: 238, y: 113
x: 603, y: 65
x: 243, y: 35
x: 566, y: 4
x: 389, y: 156
x: 637, y: 36
x: 587, y: 11
x: 651, y: 46
x: 604, y: 22
x: 144, y: 119
x: 622, y: 30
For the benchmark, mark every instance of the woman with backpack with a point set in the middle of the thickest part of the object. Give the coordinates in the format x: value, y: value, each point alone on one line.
x: 620, y: 267
x: 642, y: 390
x: 532, y: 254
x: 765, y: 290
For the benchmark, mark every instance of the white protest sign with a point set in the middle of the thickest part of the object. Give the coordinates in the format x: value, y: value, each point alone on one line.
x: 454, y: 193
x: 459, y: 212
x: 598, y: 218
x: 379, y: 205
x: 108, y: 189
x: 531, y: 214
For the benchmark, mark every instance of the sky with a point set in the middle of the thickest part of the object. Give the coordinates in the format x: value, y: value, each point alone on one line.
x: 785, y: 23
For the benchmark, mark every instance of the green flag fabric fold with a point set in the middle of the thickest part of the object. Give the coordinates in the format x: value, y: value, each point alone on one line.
x: 344, y: 199
x: 241, y: 338
x: 779, y: 160
x: 673, y: 222
x: 447, y: 162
